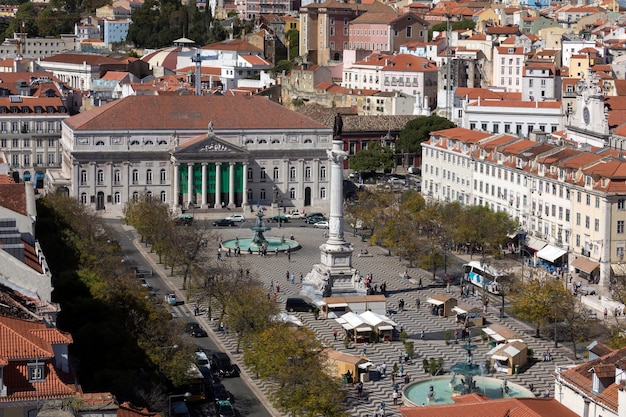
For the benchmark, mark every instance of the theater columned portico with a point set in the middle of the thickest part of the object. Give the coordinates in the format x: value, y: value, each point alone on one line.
x: 209, y: 173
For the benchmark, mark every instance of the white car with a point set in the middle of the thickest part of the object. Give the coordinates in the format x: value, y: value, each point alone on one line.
x: 321, y: 225
x: 295, y: 215
x: 396, y: 181
x: 236, y: 218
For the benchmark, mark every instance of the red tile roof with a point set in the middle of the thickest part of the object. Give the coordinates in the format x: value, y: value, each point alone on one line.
x: 191, y: 112
x: 462, y: 134
x: 13, y: 197
x: 232, y: 45
x: 72, y: 58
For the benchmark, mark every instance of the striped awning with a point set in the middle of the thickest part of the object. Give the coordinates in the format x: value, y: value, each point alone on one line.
x: 534, y: 243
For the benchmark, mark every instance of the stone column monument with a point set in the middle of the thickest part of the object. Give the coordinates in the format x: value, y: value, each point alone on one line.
x: 334, y: 275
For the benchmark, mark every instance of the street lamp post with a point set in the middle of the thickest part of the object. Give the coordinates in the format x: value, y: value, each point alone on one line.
x: 169, y: 400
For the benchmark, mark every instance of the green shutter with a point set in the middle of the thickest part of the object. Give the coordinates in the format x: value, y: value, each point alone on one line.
x: 211, y: 178
x: 239, y: 178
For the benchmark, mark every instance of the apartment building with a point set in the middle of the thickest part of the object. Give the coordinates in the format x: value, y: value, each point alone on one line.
x: 386, y: 32
x: 508, y: 63
x: 324, y: 28
x: 568, y: 200
x: 541, y: 81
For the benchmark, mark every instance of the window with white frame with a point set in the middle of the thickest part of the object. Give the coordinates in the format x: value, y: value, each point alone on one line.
x: 100, y: 177
x: 83, y: 198
x: 83, y: 177
x: 149, y: 176
x: 117, y: 177
x: 292, y: 173
x: 117, y: 197
x: 163, y: 197
x: 135, y: 176
x: 36, y: 372
x: 292, y: 193
x: 307, y: 173
x: 163, y: 176
x: 323, y: 173
x: 323, y: 193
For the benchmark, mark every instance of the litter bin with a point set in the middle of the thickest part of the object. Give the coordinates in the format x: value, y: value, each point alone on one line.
x: 344, y: 378
x: 516, y: 369
x: 365, y: 377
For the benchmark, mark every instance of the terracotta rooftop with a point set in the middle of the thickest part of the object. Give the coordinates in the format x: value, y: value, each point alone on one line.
x: 233, y: 45
x: 190, y: 112
x: 90, y: 59
x: 13, y: 197
x: 462, y: 134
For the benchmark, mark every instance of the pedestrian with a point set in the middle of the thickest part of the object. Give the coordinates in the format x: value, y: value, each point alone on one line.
x: 417, y: 303
x: 219, y: 254
x: 272, y: 284
x: 364, y: 349
x: 335, y: 335
x: 395, y: 397
x: 359, y: 389
x: 195, y: 309
x: 291, y: 237
x: 289, y: 254
x: 419, y: 283
x: 277, y: 287
x: 275, y: 252
x: 456, y: 335
x: 287, y: 275
x: 546, y: 394
x: 293, y: 278
x: 301, y: 277
x: 383, y: 369
x: 422, y: 335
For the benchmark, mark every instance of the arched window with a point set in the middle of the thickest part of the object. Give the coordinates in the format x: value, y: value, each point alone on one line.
x: 292, y: 173
x: 163, y: 176
x: 83, y: 177
x: 308, y: 141
x: 135, y: 196
x: 100, y: 143
x: 134, y: 143
x: 263, y: 174
x: 292, y: 193
x: 163, y: 197
x: 100, y: 177
x: 323, y: 193
x: 250, y: 194
x: 250, y: 174
x: 323, y: 173
x: 135, y: 176
x: 83, y: 198
x: 262, y: 194
x: 117, y: 177
x: 149, y: 176
x: 307, y: 173
x: 149, y: 142
x: 117, y: 197
x: 149, y: 195
x: 276, y: 171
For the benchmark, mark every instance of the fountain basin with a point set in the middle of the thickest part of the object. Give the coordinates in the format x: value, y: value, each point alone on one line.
x: 416, y: 393
x: 273, y: 243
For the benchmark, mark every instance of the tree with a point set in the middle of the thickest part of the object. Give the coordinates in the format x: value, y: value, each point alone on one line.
x: 293, y: 43
x: 539, y: 300
x: 418, y: 130
x: 293, y: 360
x: 577, y: 323
x: 375, y: 158
x: 484, y: 229
x: 443, y: 26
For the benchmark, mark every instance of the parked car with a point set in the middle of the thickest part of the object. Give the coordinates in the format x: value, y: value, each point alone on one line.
x: 195, y: 330
x: 415, y: 170
x: 321, y: 225
x: 275, y: 219
x: 298, y: 304
x: 314, y: 219
x: 295, y: 214
x: 396, y: 181
x: 202, y: 360
x: 236, y: 218
x: 170, y: 299
x: 223, y: 222
x: 224, y: 409
x: 220, y: 393
x: 221, y: 364
x: 144, y: 283
x: 184, y: 220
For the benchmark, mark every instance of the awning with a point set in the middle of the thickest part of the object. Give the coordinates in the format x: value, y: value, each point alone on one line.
x: 584, y: 264
x: 458, y: 310
x: 551, y: 253
x: 495, y: 336
x: 365, y: 365
x: 337, y: 305
x: 534, y: 243
x: 363, y: 329
x: 619, y: 269
x: 435, y: 302
x: 385, y: 327
x: 499, y: 358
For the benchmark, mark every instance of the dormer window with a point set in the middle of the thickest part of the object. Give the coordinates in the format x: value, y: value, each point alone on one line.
x: 500, y: 157
x: 588, y: 181
x: 36, y: 372
x: 604, y: 182
x: 519, y: 163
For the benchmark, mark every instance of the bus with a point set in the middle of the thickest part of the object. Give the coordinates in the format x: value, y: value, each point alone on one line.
x: 195, y: 384
x: 483, y: 276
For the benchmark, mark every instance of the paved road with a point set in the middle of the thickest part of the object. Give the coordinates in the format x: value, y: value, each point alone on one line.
x: 246, y: 401
x: 384, y: 269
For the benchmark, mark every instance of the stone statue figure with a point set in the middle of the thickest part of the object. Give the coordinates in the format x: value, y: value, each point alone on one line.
x: 211, y: 126
x: 338, y: 128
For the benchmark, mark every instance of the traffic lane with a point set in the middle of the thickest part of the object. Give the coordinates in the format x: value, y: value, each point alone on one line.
x: 125, y: 239
x: 246, y: 403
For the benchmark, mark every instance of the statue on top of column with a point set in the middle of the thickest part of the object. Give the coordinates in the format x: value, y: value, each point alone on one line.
x: 211, y: 127
x: 338, y: 128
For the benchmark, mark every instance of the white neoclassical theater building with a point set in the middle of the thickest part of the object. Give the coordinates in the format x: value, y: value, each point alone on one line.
x: 194, y: 151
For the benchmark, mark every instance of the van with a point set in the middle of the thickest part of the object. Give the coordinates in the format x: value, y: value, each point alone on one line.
x: 298, y: 304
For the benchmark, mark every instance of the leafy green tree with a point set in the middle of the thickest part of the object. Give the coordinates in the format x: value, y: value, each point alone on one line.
x: 418, y: 130
x: 375, y: 158
x: 293, y: 360
x: 539, y: 301
x: 443, y: 26
x: 293, y: 43
x: 484, y: 229
x: 283, y: 65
